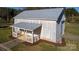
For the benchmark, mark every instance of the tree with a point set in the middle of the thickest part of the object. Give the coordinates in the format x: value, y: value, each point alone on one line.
x: 70, y: 13
x: 8, y: 13
x: 36, y: 8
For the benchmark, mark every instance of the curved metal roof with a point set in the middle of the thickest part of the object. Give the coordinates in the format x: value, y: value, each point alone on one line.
x: 27, y: 26
x: 50, y: 14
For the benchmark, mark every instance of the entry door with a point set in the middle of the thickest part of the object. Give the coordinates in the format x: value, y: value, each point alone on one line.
x: 45, y: 32
x: 62, y: 27
x: 23, y: 35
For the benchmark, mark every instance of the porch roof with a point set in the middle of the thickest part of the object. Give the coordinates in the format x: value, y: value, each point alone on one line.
x: 27, y: 26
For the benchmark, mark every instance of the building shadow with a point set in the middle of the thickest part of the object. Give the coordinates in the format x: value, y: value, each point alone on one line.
x: 56, y: 44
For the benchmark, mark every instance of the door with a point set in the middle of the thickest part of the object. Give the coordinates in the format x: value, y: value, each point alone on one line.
x: 62, y: 27
x: 22, y: 35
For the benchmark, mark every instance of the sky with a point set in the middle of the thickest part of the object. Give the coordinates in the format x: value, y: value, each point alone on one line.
x: 77, y: 8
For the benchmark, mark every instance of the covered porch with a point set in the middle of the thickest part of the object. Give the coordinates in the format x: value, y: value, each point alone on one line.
x: 29, y: 32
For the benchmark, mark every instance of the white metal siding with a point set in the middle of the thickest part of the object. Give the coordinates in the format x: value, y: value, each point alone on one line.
x: 15, y: 31
x: 60, y: 30
x: 48, y: 31
x: 63, y: 28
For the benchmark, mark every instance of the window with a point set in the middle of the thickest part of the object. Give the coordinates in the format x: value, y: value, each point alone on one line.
x: 29, y: 31
x: 63, y: 22
x: 22, y: 30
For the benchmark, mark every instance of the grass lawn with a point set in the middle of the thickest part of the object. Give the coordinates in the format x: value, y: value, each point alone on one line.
x: 43, y: 46
x: 72, y: 28
x: 71, y: 45
x: 5, y: 34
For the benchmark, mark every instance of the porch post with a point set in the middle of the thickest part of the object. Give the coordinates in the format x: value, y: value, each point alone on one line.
x: 12, y: 32
x: 32, y: 37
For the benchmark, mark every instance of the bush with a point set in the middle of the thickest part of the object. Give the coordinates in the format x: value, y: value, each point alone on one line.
x: 74, y: 19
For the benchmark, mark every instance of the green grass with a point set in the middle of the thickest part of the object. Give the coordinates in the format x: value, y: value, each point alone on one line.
x: 47, y: 47
x: 43, y: 46
x: 71, y: 45
x: 19, y: 47
x: 72, y: 28
x: 4, y: 34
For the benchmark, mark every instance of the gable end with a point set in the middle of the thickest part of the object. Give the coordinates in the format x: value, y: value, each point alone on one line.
x: 60, y: 17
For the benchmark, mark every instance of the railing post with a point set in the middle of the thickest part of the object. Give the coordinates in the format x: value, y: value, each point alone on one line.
x: 32, y: 37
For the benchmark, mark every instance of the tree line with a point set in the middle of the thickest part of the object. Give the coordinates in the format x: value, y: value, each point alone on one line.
x: 7, y: 14
x: 72, y: 15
